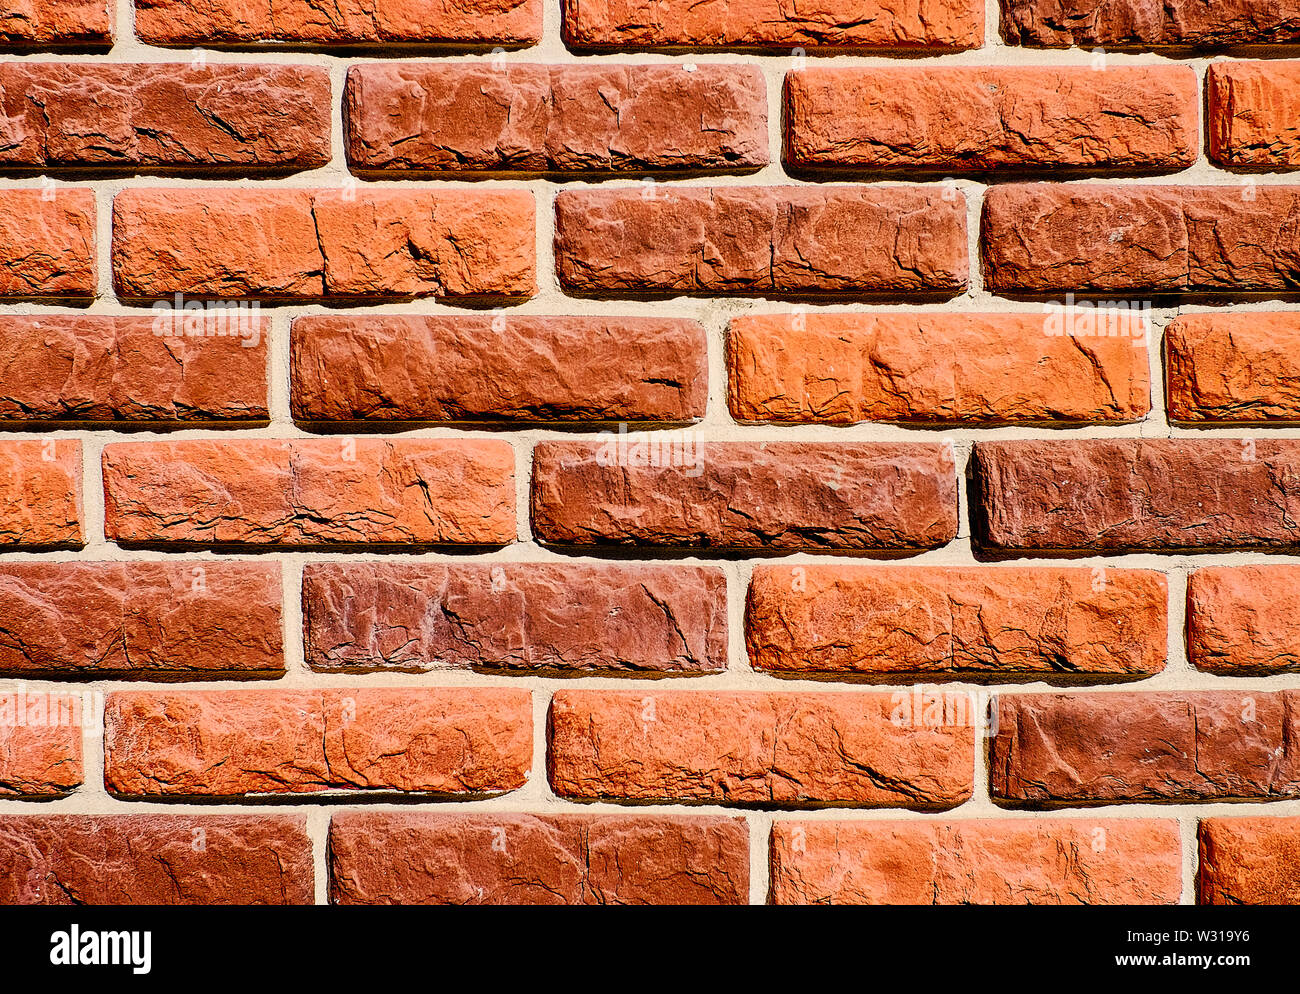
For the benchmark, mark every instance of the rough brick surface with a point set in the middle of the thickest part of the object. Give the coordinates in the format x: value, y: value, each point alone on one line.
x: 141, y: 619
x: 769, y: 240
x: 56, y: 24
x: 1249, y: 861
x: 744, y: 496
x: 556, y: 119
x: 235, y: 743
x: 410, y: 858
x: 1150, y: 23
x: 931, y: 369
x: 1223, y: 368
x: 770, y: 24
x: 1043, y: 238
x: 1252, y: 109
x: 1049, y: 861
x: 507, y: 368
x: 1244, y: 620
x: 1000, y: 623
x: 155, y: 859
x: 1159, y: 495
x: 40, y: 743
x: 767, y: 749
x: 1100, y: 748
x: 1134, y: 119
x: 310, y: 492
x: 366, y: 617
x: 343, y: 23
x: 47, y: 244
x: 84, y: 368
x: 164, y: 116
x: 40, y: 494
x: 292, y: 244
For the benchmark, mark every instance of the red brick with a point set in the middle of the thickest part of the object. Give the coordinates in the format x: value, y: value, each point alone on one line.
x: 268, y: 742
x: 164, y: 116
x: 1157, y: 495
x: 744, y: 496
x: 40, y: 743
x: 1150, y: 23
x: 200, y: 620
x: 1130, y: 119
x: 97, y: 368
x: 292, y: 244
x: 1092, y: 237
x: 343, y: 23
x: 1252, y: 109
x: 421, y: 858
x: 155, y: 860
x: 1001, y: 623
x: 1249, y: 861
x: 1243, y: 620
x: 56, y: 24
x: 519, y: 617
x: 1224, y: 368
x: 310, y: 492
x: 765, y: 240
x: 1162, y: 746
x: 507, y: 368
x: 522, y: 118
x: 47, y: 244
x: 1047, y: 861
x: 769, y: 24
x: 40, y: 494
x: 782, y: 749
x: 937, y: 368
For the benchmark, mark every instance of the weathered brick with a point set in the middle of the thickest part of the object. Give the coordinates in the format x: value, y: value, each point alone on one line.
x: 292, y: 244
x: 524, y: 118
x: 1226, y: 367
x: 100, y: 368
x: 342, y: 23
x: 57, y: 24
x: 419, y: 858
x: 1150, y: 23
x: 164, y: 116
x: 514, y: 368
x: 1243, y: 620
x: 766, y: 749
x: 767, y: 240
x: 155, y: 859
x: 143, y: 619
x: 40, y: 494
x: 40, y: 743
x: 1125, y: 119
x: 642, y: 490
x: 771, y: 25
x: 365, y: 617
x: 1249, y: 861
x: 1252, y: 109
x: 983, y: 622
x: 1157, y: 495
x: 266, y: 742
x: 47, y: 244
x: 932, y: 369
x: 309, y: 492
x: 1161, y: 746
x: 1047, y: 861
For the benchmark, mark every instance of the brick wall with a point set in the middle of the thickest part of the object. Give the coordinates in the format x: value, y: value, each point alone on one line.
x: 649, y: 452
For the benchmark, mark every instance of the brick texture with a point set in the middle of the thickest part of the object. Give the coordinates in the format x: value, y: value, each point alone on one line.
x: 1150, y: 23
x: 1242, y: 620
x: 40, y: 743
x: 40, y: 494
x: 1248, y: 861
x: 1233, y: 369
x: 43, y: 24
x: 47, y: 244
x: 1252, y: 108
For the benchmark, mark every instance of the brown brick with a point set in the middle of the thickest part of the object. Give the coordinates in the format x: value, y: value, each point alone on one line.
x: 512, y: 368
x: 524, y: 118
x: 310, y: 492
x: 47, y: 244
x: 765, y: 240
x: 1125, y: 119
x: 40, y: 742
x: 1047, y: 861
x: 40, y: 494
x: 421, y: 858
x: 50, y: 24
x: 936, y: 368
x: 524, y: 617
x: 766, y: 749
x: 1001, y: 623
x: 1243, y: 620
x: 1150, y: 23
x: 266, y: 742
x: 1157, y: 495
x: 1249, y: 861
x: 1225, y: 368
x: 639, y: 490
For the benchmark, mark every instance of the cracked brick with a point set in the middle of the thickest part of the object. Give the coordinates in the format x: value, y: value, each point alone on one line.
x: 1150, y: 24
x: 1244, y: 620
x: 47, y: 245
x: 40, y: 494
x: 1248, y: 861
x: 1225, y: 368
x: 53, y: 24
